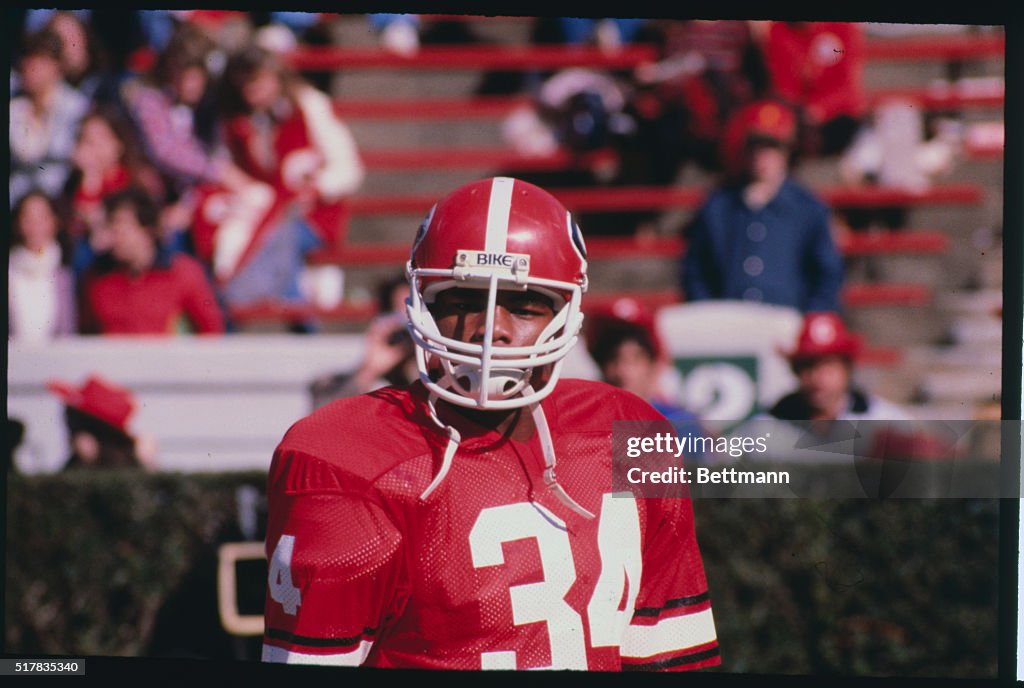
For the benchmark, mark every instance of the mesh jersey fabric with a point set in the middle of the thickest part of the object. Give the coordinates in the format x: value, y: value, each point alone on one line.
x: 492, y: 571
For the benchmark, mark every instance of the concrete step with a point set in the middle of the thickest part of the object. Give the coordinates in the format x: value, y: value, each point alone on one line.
x: 952, y: 410
x: 980, y: 386
x: 975, y: 330
x: 980, y: 302
x: 972, y: 356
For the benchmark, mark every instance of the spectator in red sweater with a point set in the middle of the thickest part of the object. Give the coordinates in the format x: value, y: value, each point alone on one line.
x: 139, y: 287
x: 818, y: 68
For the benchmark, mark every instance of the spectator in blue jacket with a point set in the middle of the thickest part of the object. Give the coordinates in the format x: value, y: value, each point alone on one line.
x: 760, y: 235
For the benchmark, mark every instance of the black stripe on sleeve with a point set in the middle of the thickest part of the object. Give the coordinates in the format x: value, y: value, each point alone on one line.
x: 673, y: 604
x: 692, y: 658
x: 278, y: 634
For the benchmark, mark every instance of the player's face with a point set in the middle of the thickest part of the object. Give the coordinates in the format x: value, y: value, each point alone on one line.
x: 519, y: 317
x: 825, y: 382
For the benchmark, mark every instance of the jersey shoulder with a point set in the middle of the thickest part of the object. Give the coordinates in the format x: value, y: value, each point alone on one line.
x: 593, y: 406
x: 364, y: 435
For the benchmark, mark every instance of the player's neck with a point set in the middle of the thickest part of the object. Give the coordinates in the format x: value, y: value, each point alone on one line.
x: 516, y: 424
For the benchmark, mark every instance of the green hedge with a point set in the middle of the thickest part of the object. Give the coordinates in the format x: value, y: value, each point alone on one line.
x: 112, y: 563
x: 854, y: 587
x: 122, y: 564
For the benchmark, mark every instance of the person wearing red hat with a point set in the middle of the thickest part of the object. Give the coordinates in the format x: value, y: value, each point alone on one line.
x: 622, y: 339
x: 624, y: 344
x: 97, y: 415
x: 823, y: 360
x: 761, y: 236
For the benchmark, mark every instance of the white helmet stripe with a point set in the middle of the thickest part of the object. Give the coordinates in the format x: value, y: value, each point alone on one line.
x: 498, y: 210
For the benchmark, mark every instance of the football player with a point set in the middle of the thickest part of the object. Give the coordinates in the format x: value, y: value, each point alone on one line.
x: 425, y: 526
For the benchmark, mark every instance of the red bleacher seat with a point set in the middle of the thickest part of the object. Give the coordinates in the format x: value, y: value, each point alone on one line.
x: 688, y: 197
x: 598, y: 248
x: 472, y: 57
x: 990, y: 94
x: 936, y: 47
x: 491, y: 157
x: 496, y: 107
x: 855, y: 295
x: 500, y: 157
x: 525, y: 57
x: 465, y: 107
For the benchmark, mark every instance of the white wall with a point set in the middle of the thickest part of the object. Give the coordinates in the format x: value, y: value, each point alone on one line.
x: 212, y: 404
x: 223, y: 403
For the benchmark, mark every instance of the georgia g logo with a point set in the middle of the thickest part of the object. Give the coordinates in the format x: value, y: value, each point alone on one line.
x: 422, y: 231
x: 577, y: 237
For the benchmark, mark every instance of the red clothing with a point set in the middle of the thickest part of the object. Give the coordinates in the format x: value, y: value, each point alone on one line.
x: 492, y: 570
x: 88, y: 205
x: 260, y: 146
x: 304, y: 152
x: 722, y: 85
x: 153, y: 302
x: 114, y: 180
x: 818, y: 66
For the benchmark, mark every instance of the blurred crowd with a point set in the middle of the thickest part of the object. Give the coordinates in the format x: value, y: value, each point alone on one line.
x: 676, y: 109
x: 742, y: 104
x: 166, y: 167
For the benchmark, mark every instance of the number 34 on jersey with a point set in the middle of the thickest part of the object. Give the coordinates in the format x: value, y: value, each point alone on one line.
x: 665, y: 632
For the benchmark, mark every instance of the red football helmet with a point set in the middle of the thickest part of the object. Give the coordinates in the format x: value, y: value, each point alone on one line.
x: 497, y: 233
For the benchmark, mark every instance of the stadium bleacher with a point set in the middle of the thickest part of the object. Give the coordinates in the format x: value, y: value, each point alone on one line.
x: 426, y: 158
x: 930, y: 312
x: 430, y: 130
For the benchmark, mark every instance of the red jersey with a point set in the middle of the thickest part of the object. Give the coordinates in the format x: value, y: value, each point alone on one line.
x: 492, y: 570
x: 152, y: 302
x: 304, y: 151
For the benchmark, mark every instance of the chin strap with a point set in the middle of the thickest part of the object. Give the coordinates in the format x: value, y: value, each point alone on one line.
x: 547, y: 447
x: 454, y: 438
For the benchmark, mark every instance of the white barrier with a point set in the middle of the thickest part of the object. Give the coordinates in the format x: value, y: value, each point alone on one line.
x: 223, y: 403
x: 728, y: 354
x: 211, y: 404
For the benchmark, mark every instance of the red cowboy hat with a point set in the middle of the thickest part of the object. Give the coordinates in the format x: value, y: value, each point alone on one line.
x: 99, y: 398
x: 824, y: 334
